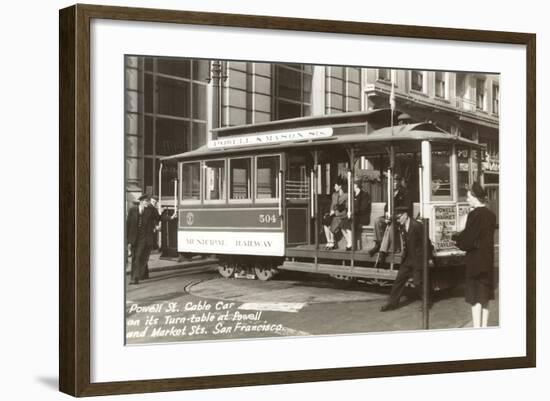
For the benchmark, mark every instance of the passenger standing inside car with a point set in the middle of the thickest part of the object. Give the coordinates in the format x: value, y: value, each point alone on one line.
x: 338, y: 212
x: 411, y: 258
x: 361, y: 209
x: 477, y: 240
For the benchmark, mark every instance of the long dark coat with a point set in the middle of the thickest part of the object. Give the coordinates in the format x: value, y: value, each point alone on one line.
x: 150, y: 219
x: 413, y: 249
x: 361, y: 209
x: 477, y: 240
x: 411, y: 262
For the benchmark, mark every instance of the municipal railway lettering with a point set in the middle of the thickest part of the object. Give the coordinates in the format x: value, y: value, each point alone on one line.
x: 203, y: 241
x: 253, y: 243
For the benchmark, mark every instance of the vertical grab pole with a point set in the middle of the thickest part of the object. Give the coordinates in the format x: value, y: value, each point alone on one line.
x: 425, y: 275
x: 350, y: 199
x: 159, y: 205
x: 312, y: 193
x: 175, y: 195
x: 160, y: 187
x: 391, y: 208
x: 351, y: 204
x: 421, y: 190
x: 175, y: 211
x: 315, y: 212
x: 280, y: 193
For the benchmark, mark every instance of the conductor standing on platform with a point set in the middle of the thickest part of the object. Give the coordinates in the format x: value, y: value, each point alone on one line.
x: 411, y: 259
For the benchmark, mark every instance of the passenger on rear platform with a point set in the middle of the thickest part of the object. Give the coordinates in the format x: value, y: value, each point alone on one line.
x: 337, y: 221
x: 383, y: 232
x: 361, y: 209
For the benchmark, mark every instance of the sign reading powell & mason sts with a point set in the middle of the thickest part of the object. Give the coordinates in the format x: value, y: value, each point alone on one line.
x: 265, y: 139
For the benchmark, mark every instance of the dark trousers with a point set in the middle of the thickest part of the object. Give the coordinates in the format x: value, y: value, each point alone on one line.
x: 406, y: 271
x: 140, y: 257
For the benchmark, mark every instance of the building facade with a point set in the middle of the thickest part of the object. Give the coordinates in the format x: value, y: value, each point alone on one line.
x: 172, y: 105
x: 461, y: 103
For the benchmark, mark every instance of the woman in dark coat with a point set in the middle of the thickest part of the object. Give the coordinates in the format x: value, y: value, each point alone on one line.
x: 477, y: 240
x: 361, y: 209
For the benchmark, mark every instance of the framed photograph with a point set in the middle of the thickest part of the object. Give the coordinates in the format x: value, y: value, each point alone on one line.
x: 249, y: 200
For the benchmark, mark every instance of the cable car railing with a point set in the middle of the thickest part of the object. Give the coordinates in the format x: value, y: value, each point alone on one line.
x: 297, y: 189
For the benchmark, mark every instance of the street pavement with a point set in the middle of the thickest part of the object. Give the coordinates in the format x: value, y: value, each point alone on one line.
x: 192, y: 302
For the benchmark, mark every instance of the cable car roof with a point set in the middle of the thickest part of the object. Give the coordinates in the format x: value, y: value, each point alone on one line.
x: 399, y: 133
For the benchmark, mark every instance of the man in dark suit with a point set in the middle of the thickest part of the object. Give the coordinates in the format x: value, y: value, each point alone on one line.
x: 361, y: 208
x: 141, y: 223
x: 411, y: 258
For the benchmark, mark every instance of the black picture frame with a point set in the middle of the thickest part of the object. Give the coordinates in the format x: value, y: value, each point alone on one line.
x: 74, y: 202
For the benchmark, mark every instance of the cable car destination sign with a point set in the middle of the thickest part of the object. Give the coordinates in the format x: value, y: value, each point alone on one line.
x: 270, y: 138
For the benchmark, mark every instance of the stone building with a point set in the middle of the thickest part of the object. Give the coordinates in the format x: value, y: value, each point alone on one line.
x: 173, y: 103
x: 462, y: 103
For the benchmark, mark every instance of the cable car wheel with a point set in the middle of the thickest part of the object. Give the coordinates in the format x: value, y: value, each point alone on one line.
x: 227, y: 269
x: 343, y: 280
x: 264, y: 273
x: 342, y: 277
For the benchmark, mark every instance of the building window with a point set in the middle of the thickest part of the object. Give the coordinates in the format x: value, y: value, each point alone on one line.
x: 175, y: 104
x: 496, y: 96
x: 384, y: 74
x: 440, y: 84
x: 480, y: 94
x: 417, y: 81
x: 292, y: 90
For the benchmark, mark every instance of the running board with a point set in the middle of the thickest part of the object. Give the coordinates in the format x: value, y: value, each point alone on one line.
x: 356, y: 271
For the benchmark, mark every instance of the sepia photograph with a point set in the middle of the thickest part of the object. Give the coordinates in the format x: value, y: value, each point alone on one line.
x: 269, y: 200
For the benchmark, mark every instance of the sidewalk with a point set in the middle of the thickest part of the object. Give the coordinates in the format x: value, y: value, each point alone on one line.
x: 156, y: 264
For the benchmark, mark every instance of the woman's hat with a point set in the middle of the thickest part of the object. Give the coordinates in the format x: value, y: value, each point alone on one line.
x: 478, y: 191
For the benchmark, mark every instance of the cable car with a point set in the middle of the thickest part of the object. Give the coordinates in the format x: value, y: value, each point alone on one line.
x: 255, y: 195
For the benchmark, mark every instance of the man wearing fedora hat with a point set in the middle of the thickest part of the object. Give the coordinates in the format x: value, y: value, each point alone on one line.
x: 141, y: 223
x: 411, y: 257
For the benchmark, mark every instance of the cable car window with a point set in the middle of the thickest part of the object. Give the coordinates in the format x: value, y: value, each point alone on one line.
x: 214, y: 171
x: 240, y: 178
x: 191, y: 178
x: 463, y: 173
x: 267, y: 170
x: 441, y: 174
